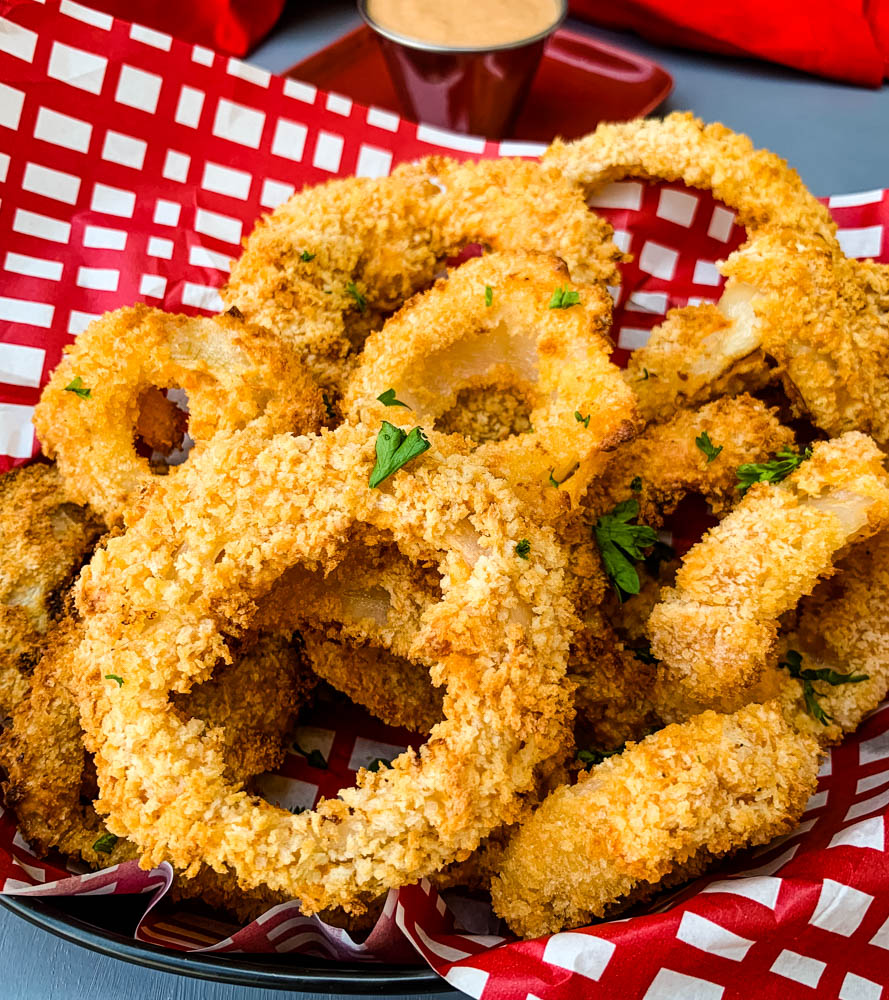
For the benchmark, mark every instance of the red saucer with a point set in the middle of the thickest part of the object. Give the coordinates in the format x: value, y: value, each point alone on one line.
x: 580, y: 82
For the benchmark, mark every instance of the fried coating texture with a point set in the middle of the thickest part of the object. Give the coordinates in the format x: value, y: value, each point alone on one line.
x: 230, y: 372
x: 670, y: 465
x: 251, y: 704
x: 391, y: 687
x: 44, y: 539
x: 715, y: 630
x: 698, y: 354
x: 842, y: 625
x: 250, y: 507
x: 756, y: 183
x: 714, y: 783
x: 327, y: 266
x: 450, y: 339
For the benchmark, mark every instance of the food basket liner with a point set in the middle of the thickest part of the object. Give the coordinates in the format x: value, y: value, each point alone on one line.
x: 131, y: 166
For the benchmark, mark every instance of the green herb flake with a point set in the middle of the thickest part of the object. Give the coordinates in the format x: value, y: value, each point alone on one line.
x: 314, y: 758
x: 394, y: 449
x: 793, y: 663
x: 590, y: 758
x: 387, y: 398
x: 489, y: 296
x: 786, y: 461
x: 636, y: 484
x: 562, y: 298
x: 114, y: 677
x: 78, y: 388
x: 646, y: 375
x: 621, y: 545
x: 707, y: 447
x: 360, y: 300
x: 582, y: 420
x: 328, y: 406
x: 105, y: 843
x: 305, y: 256
x: 523, y: 548
x: 379, y: 763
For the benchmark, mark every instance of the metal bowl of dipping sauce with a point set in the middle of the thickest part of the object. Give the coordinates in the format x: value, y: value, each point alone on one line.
x: 464, y: 65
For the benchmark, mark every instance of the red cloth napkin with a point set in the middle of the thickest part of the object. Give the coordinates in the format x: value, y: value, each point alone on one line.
x: 840, y: 39
x: 230, y: 26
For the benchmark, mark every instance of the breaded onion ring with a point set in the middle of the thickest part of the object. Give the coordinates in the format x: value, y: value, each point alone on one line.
x: 843, y: 627
x: 757, y: 184
x: 44, y: 540
x: 327, y: 266
x: 89, y: 410
x: 712, y: 784
x: 494, y: 321
x: 156, y: 599
x: 665, y: 463
x: 715, y: 630
x: 251, y: 703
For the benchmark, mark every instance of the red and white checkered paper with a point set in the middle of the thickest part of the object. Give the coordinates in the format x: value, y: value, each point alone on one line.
x: 131, y: 165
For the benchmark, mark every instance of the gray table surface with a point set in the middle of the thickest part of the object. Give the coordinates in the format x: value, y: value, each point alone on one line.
x: 838, y: 139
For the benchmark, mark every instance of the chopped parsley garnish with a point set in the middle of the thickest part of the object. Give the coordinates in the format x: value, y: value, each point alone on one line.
x: 794, y: 664
x: 558, y: 482
x: 780, y: 467
x: 114, y: 677
x: 523, y: 548
x: 387, y: 398
x: 590, y: 758
x: 379, y: 762
x: 360, y: 300
x: 707, y: 447
x: 621, y: 545
x: 328, y: 406
x: 646, y: 375
x: 636, y: 484
x: 395, y: 449
x: 105, y: 843
x: 306, y: 256
x: 564, y: 299
x: 489, y: 295
x: 582, y: 420
x: 78, y: 388
x: 314, y: 758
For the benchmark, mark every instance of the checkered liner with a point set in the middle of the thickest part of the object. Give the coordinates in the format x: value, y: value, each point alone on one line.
x: 131, y: 165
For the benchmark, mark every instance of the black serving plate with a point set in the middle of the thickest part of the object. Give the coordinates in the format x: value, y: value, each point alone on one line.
x: 86, y: 922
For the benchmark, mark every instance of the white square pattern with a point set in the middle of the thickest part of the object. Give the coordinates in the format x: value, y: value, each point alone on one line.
x: 138, y: 89
x: 840, y: 908
x: 585, y: 954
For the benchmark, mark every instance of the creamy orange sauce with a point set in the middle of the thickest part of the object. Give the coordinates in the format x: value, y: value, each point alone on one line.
x: 465, y: 23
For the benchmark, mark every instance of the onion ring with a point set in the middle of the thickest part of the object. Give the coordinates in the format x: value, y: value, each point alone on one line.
x: 327, y: 266
x: 756, y: 183
x: 710, y: 785
x: 457, y: 335
x: 89, y: 409
x: 500, y: 637
x: 715, y: 630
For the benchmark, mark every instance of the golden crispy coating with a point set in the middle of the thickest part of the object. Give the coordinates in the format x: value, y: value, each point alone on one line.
x: 44, y: 540
x: 230, y: 372
x: 823, y: 319
x: 841, y: 626
x: 698, y: 353
x: 757, y: 184
x: 714, y: 783
x: 669, y: 463
x: 250, y: 507
x: 391, y: 687
x: 451, y: 338
x: 251, y: 704
x: 715, y: 630
x: 327, y: 266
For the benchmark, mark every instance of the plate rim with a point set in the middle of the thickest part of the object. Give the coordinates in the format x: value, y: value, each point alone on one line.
x: 352, y: 978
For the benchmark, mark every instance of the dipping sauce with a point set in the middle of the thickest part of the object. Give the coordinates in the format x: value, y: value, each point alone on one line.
x: 465, y: 24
